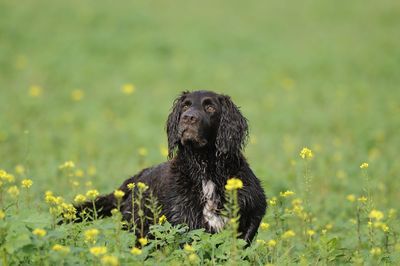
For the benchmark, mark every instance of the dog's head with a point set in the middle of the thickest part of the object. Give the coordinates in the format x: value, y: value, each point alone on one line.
x: 202, y: 119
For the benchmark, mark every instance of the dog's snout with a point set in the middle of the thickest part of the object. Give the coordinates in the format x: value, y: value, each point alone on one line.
x: 190, y: 117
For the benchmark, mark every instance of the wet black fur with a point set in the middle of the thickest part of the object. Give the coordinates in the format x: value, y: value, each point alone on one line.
x: 177, y: 183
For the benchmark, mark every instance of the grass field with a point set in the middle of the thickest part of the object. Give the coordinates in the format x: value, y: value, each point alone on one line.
x: 93, y: 81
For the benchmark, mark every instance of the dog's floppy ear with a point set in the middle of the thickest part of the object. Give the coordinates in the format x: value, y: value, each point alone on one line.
x: 233, y: 129
x: 173, y: 124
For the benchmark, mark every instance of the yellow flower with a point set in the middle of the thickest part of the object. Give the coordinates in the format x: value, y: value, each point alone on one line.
x: 288, y: 234
x: 143, y: 241
x: 20, y: 169
x: 69, y: 211
x: 375, y: 251
x: 26, y: 183
x: 136, y: 251
x: 306, y: 153
x: 362, y: 199
x: 310, y: 232
x: 143, y: 151
x: 35, y: 91
x: 142, y: 186
x: 272, y: 201
x: 375, y: 214
x: 13, y: 191
x: 260, y: 242
x: 329, y: 226
x: 119, y: 194
x: 385, y: 228
x: 109, y: 260
x: 67, y: 165
x: 39, y: 232
x: 271, y: 243
x: 61, y: 248
x: 364, y: 166
x: 264, y: 226
x: 233, y: 184
x: 188, y: 248
x: 6, y: 176
x: 162, y: 219
x: 2, y: 215
x: 97, y: 251
x: 163, y: 151
x: 91, y: 235
x: 79, y: 199
x: 77, y: 95
x: 287, y: 193
x: 351, y: 198
x: 79, y: 173
x: 131, y: 186
x: 92, y: 194
x: 128, y: 88
x: 193, y: 258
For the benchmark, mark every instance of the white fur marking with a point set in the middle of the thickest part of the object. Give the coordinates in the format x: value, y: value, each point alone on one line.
x: 215, y: 221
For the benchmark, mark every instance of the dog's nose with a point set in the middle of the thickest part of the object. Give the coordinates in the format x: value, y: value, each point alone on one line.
x: 190, y: 117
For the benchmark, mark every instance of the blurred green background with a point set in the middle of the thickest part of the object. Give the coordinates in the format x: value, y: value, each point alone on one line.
x: 321, y: 74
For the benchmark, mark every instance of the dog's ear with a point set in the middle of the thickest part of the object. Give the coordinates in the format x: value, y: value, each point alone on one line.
x: 233, y: 129
x: 173, y: 124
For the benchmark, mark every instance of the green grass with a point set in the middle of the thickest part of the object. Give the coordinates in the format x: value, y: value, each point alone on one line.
x: 321, y: 74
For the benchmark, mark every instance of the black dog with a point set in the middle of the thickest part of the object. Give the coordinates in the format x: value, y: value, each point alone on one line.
x: 206, y: 134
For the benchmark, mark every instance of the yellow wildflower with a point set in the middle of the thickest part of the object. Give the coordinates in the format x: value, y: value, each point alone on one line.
x: 91, y: 235
x: 68, y: 210
x: 375, y: 214
x: 92, y: 194
x: 131, y: 186
x: 264, y: 226
x: 26, y: 183
x: 310, y: 232
x: 288, y: 234
x: 128, y: 88
x: 287, y: 193
x: 193, y: 258
x: 364, y: 166
x: 79, y: 199
x: 13, y: 191
x: 142, y: 186
x: 79, y: 173
x: 188, y: 248
x: 233, y: 184
x: 6, y: 176
x: 272, y: 201
x: 97, y: 251
x: 271, y: 243
x: 375, y: 251
x: 306, y: 153
x: 39, y: 232
x: 136, y: 251
x: 67, y: 165
x: 2, y: 215
x: 329, y: 226
x: 109, y: 260
x: 143, y: 241
x: 351, y: 198
x: 162, y: 219
x: 20, y: 169
x: 119, y: 194
x: 35, y: 91
x: 143, y: 151
x: 61, y: 248
x: 362, y: 199
x: 77, y: 95
x: 260, y: 242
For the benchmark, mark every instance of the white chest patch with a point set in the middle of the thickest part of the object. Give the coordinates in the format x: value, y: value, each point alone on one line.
x: 215, y: 221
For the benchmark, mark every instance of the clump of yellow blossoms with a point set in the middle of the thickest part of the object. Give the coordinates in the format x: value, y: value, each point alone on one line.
x: 91, y: 235
x: 306, y: 153
x: 92, y: 194
x: 136, y: 251
x: 162, y: 219
x: 287, y: 193
x: 131, y: 186
x: 35, y: 91
x: 142, y: 186
x: 2, y: 215
x: 188, y: 248
x: 26, y: 183
x: 6, y: 176
x: 13, y: 191
x: 97, y: 251
x: 288, y: 234
x: 375, y: 214
x: 351, y: 198
x: 364, y: 166
x: 376, y: 251
x: 39, y: 232
x: 79, y: 199
x: 143, y: 241
x: 233, y: 184
x: 271, y: 243
x: 77, y: 95
x: 264, y: 226
x: 119, y: 194
x: 67, y: 165
x: 128, y: 88
x: 109, y: 260
x: 61, y: 248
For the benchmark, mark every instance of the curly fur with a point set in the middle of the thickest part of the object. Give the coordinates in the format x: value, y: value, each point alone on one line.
x: 190, y: 185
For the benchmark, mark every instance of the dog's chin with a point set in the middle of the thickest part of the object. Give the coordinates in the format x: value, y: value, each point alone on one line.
x: 192, y: 139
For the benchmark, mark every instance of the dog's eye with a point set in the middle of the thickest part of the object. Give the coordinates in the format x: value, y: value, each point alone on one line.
x: 210, y: 109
